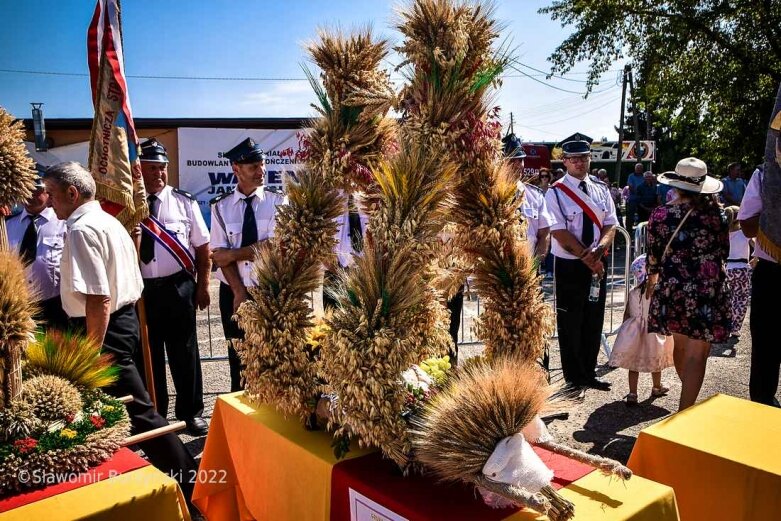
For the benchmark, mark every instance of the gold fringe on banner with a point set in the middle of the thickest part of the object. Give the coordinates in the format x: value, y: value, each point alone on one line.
x: 768, y: 246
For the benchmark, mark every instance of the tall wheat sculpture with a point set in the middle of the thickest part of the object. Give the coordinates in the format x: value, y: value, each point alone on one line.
x: 345, y: 142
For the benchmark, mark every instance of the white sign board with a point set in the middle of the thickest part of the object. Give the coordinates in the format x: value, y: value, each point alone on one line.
x: 364, y: 509
x: 206, y: 174
x: 608, y: 151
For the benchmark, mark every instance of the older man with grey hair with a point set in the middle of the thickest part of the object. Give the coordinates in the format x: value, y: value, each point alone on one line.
x: 99, y: 285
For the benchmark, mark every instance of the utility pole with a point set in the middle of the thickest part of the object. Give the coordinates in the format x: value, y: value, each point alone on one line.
x: 635, y: 121
x: 621, y: 124
x: 649, y: 127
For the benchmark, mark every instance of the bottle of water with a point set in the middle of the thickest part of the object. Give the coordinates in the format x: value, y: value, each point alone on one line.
x: 593, y: 292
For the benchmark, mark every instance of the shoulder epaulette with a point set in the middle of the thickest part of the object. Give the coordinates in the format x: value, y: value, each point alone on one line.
x: 186, y: 194
x: 219, y: 198
x: 15, y: 212
x: 535, y: 188
x: 599, y: 182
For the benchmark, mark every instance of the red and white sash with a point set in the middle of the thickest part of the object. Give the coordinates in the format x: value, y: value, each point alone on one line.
x: 595, y: 213
x: 171, y: 244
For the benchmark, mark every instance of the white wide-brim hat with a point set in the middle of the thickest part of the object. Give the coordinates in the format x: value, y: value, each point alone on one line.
x: 691, y: 174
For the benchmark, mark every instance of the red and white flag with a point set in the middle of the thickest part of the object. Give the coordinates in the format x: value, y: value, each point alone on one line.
x: 113, y: 154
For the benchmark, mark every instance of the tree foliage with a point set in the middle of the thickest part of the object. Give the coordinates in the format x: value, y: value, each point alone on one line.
x: 706, y: 70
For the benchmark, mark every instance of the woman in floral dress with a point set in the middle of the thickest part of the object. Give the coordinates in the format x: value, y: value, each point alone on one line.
x: 689, y: 297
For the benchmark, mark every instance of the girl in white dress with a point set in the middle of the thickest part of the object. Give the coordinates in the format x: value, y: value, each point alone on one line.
x: 635, y: 348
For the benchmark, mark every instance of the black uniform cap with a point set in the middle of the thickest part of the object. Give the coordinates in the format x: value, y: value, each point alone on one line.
x: 513, y: 149
x: 153, y: 151
x: 576, y: 148
x: 245, y: 152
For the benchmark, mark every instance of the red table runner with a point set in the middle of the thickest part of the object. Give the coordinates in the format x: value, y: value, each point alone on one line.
x: 422, y: 499
x: 124, y: 460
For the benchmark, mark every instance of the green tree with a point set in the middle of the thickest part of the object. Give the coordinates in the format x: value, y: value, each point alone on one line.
x: 706, y: 70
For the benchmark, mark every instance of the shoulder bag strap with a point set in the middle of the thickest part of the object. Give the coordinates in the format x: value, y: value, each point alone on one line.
x: 672, y: 237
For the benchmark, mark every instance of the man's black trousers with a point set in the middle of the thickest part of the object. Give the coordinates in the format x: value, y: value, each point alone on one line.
x: 232, y: 331
x: 167, y: 452
x: 579, y: 321
x: 170, y: 316
x: 765, y: 344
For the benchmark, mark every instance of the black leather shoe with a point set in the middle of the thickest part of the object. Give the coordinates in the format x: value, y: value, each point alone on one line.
x: 197, y: 426
x: 598, y: 384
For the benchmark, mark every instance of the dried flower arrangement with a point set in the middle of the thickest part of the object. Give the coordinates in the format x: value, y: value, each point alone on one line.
x: 62, y: 422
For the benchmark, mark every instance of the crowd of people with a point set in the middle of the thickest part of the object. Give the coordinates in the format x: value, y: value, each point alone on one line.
x: 693, y: 285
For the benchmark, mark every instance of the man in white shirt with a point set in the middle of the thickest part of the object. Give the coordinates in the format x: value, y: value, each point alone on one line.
x: 584, y: 229
x: 38, y: 235
x: 533, y: 210
x: 175, y: 265
x: 349, y: 241
x: 100, y: 283
x: 240, y: 220
x: 765, y: 289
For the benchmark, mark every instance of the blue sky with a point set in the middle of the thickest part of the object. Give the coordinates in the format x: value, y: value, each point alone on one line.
x: 252, y: 38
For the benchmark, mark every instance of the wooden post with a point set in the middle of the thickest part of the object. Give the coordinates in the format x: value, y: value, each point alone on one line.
x: 147, y: 353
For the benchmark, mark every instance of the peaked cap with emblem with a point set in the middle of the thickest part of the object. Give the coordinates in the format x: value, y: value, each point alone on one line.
x: 245, y: 152
x: 153, y: 152
x: 576, y: 148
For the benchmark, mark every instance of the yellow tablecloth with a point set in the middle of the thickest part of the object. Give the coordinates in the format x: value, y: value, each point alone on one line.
x: 144, y: 494
x: 259, y: 465
x: 605, y: 498
x: 722, y: 457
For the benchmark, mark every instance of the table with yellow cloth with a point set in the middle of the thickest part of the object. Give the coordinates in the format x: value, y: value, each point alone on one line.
x: 722, y: 457
x: 259, y: 465
x: 143, y: 493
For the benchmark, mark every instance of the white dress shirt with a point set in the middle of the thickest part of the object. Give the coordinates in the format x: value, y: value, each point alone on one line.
x: 43, y: 274
x: 739, y: 248
x: 751, y: 206
x: 344, y: 246
x: 569, y: 215
x: 99, y: 258
x: 228, y: 220
x: 534, y: 212
x: 180, y: 215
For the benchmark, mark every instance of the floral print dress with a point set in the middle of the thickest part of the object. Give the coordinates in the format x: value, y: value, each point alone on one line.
x: 691, y: 296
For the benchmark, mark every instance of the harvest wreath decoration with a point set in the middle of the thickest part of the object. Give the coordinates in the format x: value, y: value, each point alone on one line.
x: 442, y: 204
x: 59, y: 422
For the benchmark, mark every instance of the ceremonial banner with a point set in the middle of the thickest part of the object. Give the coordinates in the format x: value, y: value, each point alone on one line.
x: 206, y: 174
x: 113, y: 154
x: 770, y: 220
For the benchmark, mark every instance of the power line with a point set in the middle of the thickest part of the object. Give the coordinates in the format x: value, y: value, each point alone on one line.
x: 575, y: 116
x: 554, y: 86
x: 244, y: 78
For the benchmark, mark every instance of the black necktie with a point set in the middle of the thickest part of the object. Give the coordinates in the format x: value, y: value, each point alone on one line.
x: 354, y: 221
x: 147, y: 242
x: 587, y: 234
x: 249, y: 228
x: 29, y: 245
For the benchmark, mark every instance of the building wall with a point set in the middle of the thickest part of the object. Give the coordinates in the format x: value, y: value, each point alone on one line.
x: 167, y: 136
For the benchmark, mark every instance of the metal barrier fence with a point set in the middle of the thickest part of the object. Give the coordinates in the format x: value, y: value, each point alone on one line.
x: 617, y: 282
x: 641, y: 232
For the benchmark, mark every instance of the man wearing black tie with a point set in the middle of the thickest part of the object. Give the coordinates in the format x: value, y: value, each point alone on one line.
x: 349, y: 241
x: 176, y: 280
x: 582, y: 234
x: 240, y: 220
x: 38, y: 235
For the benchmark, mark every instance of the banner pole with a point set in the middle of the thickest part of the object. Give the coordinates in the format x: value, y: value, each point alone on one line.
x: 147, y: 353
